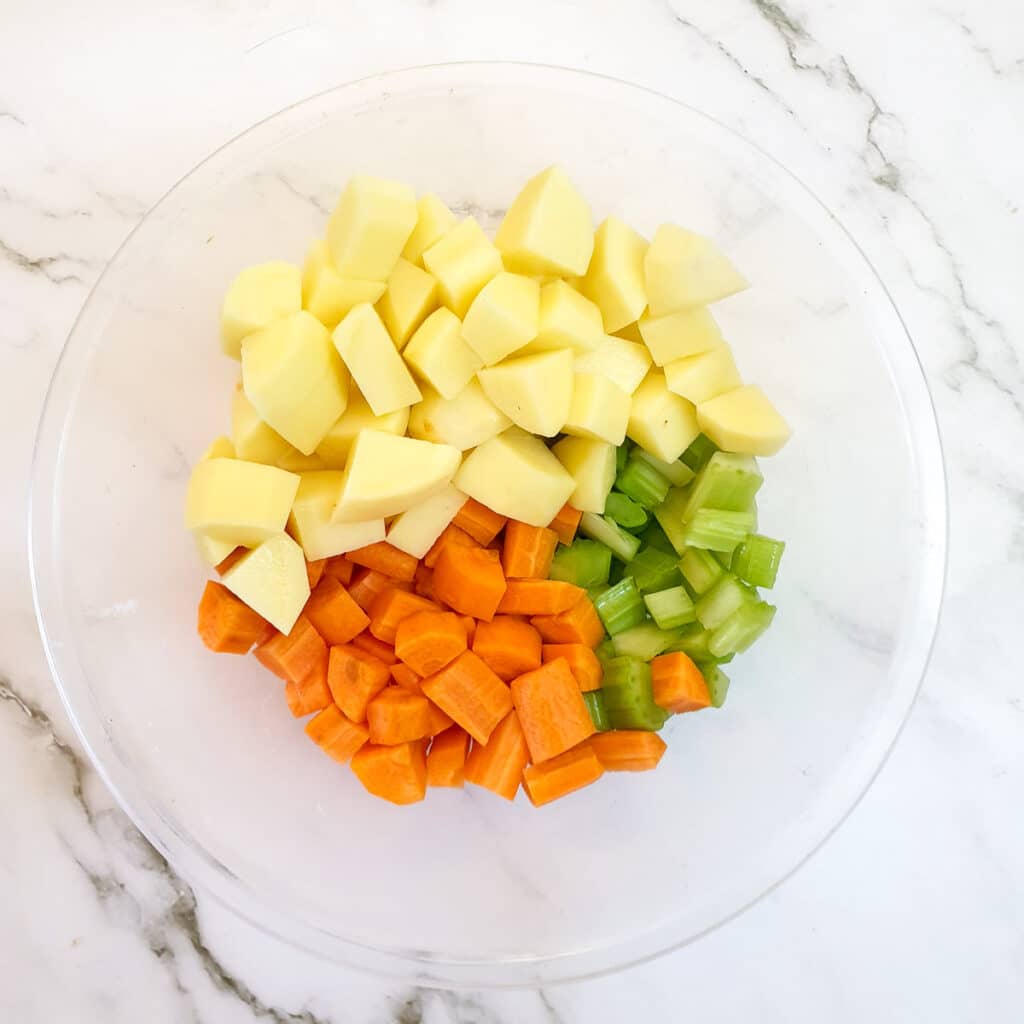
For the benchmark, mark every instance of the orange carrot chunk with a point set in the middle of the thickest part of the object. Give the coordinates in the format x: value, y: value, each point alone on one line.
x: 386, y: 559
x: 677, y: 683
x: 340, y: 568
x: 509, y: 646
x: 562, y: 775
x: 406, y: 678
x: 539, y: 597
x: 439, y: 721
x: 332, y: 611
x: 315, y: 571
x: 579, y: 625
x: 527, y: 551
x: 397, y: 716
x: 227, y: 624
x: 367, y: 584
x: 566, y: 523
x: 551, y: 710
x: 628, y: 750
x: 446, y: 761
x: 423, y: 584
x: 583, y: 663
x: 469, y: 625
x: 294, y: 656
x: 397, y: 774
x: 498, y: 765
x: 470, y: 581
x: 451, y: 536
x: 469, y: 693
x: 335, y: 734
x: 390, y: 607
x: 355, y: 678
x: 480, y: 522
x: 304, y: 700
x: 377, y: 648
x: 427, y: 641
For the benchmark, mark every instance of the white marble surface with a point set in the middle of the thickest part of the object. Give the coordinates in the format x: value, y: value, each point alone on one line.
x: 906, y: 118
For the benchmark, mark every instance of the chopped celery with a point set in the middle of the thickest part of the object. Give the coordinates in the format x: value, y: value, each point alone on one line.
x: 642, y: 482
x: 625, y: 511
x: 696, y: 456
x: 621, y: 454
x: 645, y: 641
x: 741, y: 629
x: 700, y: 569
x: 757, y: 559
x: 670, y: 517
x: 728, y: 482
x: 618, y: 571
x: 654, y: 537
x: 628, y: 697
x: 670, y: 608
x: 717, y: 529
x: 718, y: 683
x: 594, y: 700
x: 621, y: 606
x: 725, y: 597
x: 584, y: 562
x: 605, y: 650
x: 694, y: 644
x: 653, y: 570
x: 676, y: 473
x: 600, y: 528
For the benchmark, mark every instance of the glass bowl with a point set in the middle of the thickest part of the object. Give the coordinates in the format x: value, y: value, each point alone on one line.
x: 466, y: 889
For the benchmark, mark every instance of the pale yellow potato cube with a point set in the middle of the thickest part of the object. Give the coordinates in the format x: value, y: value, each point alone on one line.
x: 659, y: 421
x: 547, y: 229
x: 503, y: 317
x: 698, y: 378
x: 334, y: 448
x: 271, y: 579
x: 515, y: 475
x: 328, y: 295
x: 534, y: 392
x: 566, y: 320
x: 687, y: 332
x: 465, y: 421
x: 211, y: 551
x: 599, y: 409
x: 256, y: 297
x: 386, y: 475
x: 310, y: 520
x: 415, y: 531
x: 462, y: 261
x: 295, y: 462
x: 631, y: 332
x: 592, y: 467
x: 683, y: 269
x: 254, y: 440
x: 410, y: 295
x: 615, y: 278
x: 624, y: 363
x: 743, y: 421
x: 294, y: 379
x: 220, y: 448
x: 370, y: 226
x: 243, y: 503
x: 437, y: 354
x: 433, y: 221
x: 379, y: 371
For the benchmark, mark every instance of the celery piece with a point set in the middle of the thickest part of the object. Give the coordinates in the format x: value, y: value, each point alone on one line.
x: 697, y: 455
x: 642, y: 482
x: 621, y: 606
x: 645, y: 641
x: 717, y: 529
x: 728, y: 482
x: 594, y: 700
x: 700, y: 569
x: 621, y: 455
x: 584, y: 562
x: 725, y: 597
x: 628, y: 697
x: 605, y: 650
x: 670, y: 608
x: 695, y: 644
x: 625, y: 511
x: 757, y: 559
x: 670, y: 517
x: 618, y: 571
x: 600, y: 528
x: 653, y: 570
x: 654, y: 537
x: 718, y: 683
x: 676, y: 473
x: 741, y: 629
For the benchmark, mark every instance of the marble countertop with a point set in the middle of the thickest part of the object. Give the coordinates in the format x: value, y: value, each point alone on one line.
x: 907, y: 119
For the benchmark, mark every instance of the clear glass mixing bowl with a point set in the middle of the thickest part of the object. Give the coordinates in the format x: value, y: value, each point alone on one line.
x: 464, y: 888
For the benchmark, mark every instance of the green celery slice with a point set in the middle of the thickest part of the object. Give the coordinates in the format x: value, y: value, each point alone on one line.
x: 671, y: 607
x: 670, y: 517
x: 718, y: 683
x: 625, y: 511
x: 717, y: 529
x: 653, y: 570
x: 677, y: 473
x: 642, y: 482
x: 697, y: 455
x: 621, y: 606
x: 628, y: 696
x: 584, y: 562
x: 621, y: 455
x: 594, y: 699
x: 700, y: 569
x: 728, y: 482
x: 695, y: 644
x: 654, y: 537
x: 757, y: 559
x: 741, y: 629
x: 600, y: 528
x: 645, y: 641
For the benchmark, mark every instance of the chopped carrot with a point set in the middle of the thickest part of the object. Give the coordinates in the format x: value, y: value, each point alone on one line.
x: 562, y: 775
x: 527, y: 551
x: 498, y: 765
x: 551, y: 710
x: 566, y: 523
x: 678, y: 684
x: 225, y: 563
x: 355, y: 678
x: 446, y: 761
x: 315, y: 571
x: 470, y: 581
x: 579, y: 625
x: 227, y: 624
x: 508, y: 645
x: 294, y: 656
x: 387, y: 559
x: 583, y: 663
x: 376, y: 648
x: 335, y: 734
x: 480, y: 522
x: 427, y: 641
x: 451, y: 536
x: 439, y: 721
x: 405, y: 677
x: 628, y: 750
x: 304, y: 700
x: 368, y: 583
x: 398, y: 774
x: 398, y: 716
x: 390, y: 607
x: 332, y: 611
x: 469, y: 625
x: 423, y: 584
x: 539, y: 597
x: 340, y: 568
x: 471, y: 695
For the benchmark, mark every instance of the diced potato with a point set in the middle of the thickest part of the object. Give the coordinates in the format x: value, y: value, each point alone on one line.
x: 465, y: 421
x: 310, y: 519
x: 615, y: 279
x: 334, y: 448
x: 258, y: 296
x: 433, y: 221
x: 567, y: 320
x: 254, y: 440
x: 683, y: 269
x: 625, y: 363
x: 547, y: 229
x: 211, y: 551
x: 240, y: 502
x: 592, y: 466
x: 437, y: 354
x: 410, y: 295
x: 515, y: 475
x: 462, y: 261
x: 415, y: 531
x: 386, y: 475
x: 698, y: 378
x: 328, y: 295
x: 631, y: 332
x: 743, y: 421
x: 294, y: 379
x: 503, y: 317
x: 370, y: 226
x: 599, y: 409
x: 295, y: 462
x: 220, y: 448
x: 535, y: 392
x: 381, y: 375
x: 660, y: 422
x: 687, y: 332
x: 271, y: 579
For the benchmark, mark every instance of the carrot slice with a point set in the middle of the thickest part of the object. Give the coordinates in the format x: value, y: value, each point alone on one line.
x: 398, y: 716
x: 340, y: 568
x: 332, y: 611
x: 376, y: 648
x: 480, y: 522
x: 355, y: 678
x: 406, y: 678
x: 566, y: 523
x: 579, y: 625
x: 539, y: 597
x: 451, y: 536
x: 470, y: 581
x: 397, y: 774
x: 551, y: 710
x: 294, y: 656
x: 678, y: 684
x: 427, y: 641
x: 304, y: 700
x: 562, y: 775
x: 469, y: 625
x: 439, y: 721
x: 368, y: 583
x: 390, y: 607
x: 423, y: 584
x: 628, y: 750
x: 509, y: 646
x: 583, y: 663
x: 335, y: 734
x: 315, y: 571
x: 227, y: 624
x: 446, y: 761
x: 527, y: 551
x: 498, y: 765
x: 387, y: 559
x: 469, y: 693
